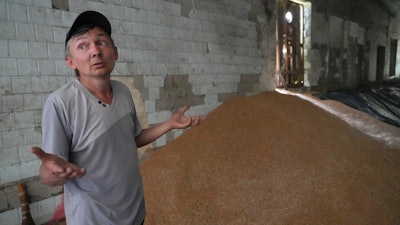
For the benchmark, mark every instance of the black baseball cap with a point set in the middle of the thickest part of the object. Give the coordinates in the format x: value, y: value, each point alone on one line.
x: 90, y: 18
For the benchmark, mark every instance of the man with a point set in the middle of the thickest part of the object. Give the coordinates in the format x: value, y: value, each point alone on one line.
x: 91, y: 133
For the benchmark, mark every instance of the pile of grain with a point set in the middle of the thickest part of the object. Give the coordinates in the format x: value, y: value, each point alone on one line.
x: 272, y: 159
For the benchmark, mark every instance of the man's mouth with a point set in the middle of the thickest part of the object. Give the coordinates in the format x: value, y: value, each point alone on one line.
x: 98, y: 64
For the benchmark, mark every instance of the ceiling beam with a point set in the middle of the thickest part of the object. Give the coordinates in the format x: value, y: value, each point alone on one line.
x: 389, y: 6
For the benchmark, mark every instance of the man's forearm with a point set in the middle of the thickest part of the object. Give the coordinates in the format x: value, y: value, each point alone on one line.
x: 151, y: 134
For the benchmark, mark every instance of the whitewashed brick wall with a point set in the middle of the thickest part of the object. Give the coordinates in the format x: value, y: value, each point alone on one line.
x: 214, y: 45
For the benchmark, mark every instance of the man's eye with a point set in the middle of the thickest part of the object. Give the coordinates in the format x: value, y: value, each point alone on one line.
x: 82, y: 47
x: 102, y: 43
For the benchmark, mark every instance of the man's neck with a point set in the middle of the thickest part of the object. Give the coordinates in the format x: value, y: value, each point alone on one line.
x: 99, y: 87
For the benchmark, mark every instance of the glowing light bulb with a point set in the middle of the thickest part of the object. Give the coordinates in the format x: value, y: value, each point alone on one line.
x: 289, y: 17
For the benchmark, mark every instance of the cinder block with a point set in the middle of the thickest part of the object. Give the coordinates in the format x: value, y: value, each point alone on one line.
x: 154, y: 93
x: 167, y: 20
x: 153, y: 69
x: 36, y: 15
x: 131, y: 14
x: 148, y: 5
x: 7, y: 30
x: 59, y: 34
x: 36, y: 191
x: 39, y: 84
x: 3, y: 11
x: 146, y: 55
x: 164, y: 57
x: 46, y: 67
x: 146, y: 29
x: 199, y: 47
x: 27, y: 66
x: 57, y: 199
x: 153, y: 18
x: 170, y: 8
x: 10, y: 173
x: 118, y: 12
x: 11, y: 217
x: 37, y: 50
x: 21, y: 84
x: 25, y: 31
x: 30, y: 168
x: 44, y: 33
x: 17, y: 12
x: 24, y: 119
x: 46, y: 206
x: 54, y: 17
x: 62, y: 67
x: 42, y: 210
x: 8, y: 66
x: 5, y: 86
x: 125, y: 54
x: 211, y: 99
x: 121, y: 68
x: 158, y: 117
x: 13, y: 138
x: 143, y: 68
x: 3, y: 203
x: 9, y: 156
x: 24, y: 153
x: 160, y: 141
x: 51, y: 191
x: 38, y: 122
x: 7, y: 121
x: 131, y: 41
x: 2, y: 110
x: 4, y: 50
x: 178, y: 133
x: 203, y: 89
x: 133, y: 69
x: 56, y: 82
x: 119, y: 40
x: 76, y: 6
x: 153, y: 81
x: 31, y: 134
x: 150, y: 106
x: 137, y: 4
x: 13, y: 102
x: 55, y: 50
x: 176, y: 45
x: 43, y: 3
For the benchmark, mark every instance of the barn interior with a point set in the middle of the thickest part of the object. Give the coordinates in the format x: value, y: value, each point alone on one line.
x: 302, y: 98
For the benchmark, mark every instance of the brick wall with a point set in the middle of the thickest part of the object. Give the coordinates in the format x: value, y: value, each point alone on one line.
x: 211, y: 45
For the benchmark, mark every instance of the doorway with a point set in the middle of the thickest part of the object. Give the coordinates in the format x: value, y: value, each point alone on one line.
x: 380, y: 63
x: 290, y: 44
x: 393, y: 56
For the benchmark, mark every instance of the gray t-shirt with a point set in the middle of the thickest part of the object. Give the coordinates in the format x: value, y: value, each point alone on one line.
x: 100, y: 138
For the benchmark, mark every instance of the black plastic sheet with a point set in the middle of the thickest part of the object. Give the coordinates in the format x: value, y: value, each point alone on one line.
x: 382, y: 102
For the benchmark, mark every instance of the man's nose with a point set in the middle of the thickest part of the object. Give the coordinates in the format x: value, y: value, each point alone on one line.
x: 96, y: 51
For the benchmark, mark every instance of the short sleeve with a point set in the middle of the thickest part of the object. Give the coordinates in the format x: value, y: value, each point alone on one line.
x: 56, y: 139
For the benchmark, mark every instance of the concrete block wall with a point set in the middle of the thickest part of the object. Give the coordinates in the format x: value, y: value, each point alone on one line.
x: 209, y: 49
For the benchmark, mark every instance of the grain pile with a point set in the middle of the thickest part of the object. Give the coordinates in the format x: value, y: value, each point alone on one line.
x: 272, y: 159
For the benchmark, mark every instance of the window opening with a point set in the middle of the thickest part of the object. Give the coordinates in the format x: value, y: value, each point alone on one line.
x: 290, y: 44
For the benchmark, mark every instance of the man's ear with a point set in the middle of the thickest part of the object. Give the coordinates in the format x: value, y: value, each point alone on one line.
x: 116, y: 53
x: 70, y: 63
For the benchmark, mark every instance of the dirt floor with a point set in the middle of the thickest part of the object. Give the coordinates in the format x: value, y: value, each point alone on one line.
x: 274, y: 159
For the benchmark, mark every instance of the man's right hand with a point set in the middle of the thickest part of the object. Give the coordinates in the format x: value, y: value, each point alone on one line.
x: 54, y: 170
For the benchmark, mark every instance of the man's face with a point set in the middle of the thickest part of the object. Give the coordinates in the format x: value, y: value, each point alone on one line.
x: 92, y: 53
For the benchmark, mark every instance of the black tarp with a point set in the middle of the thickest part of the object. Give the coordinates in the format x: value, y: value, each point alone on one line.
x: 382, y: 102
